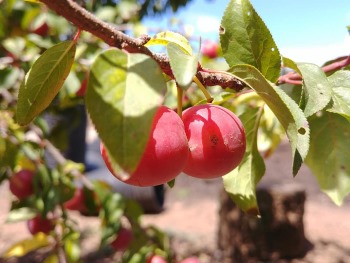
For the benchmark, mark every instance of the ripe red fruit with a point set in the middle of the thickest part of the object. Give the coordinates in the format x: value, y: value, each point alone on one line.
x: 21, y: 184
x: 156, y: 259
x: 39, y: 224
x: 165, y: 154
x: 216, y: 139
x: 123, y: 239
x: 210, y: 49
x: 42, y: 30
x: 81, y: 91
x: 77, y: 202
x: 191, y: 260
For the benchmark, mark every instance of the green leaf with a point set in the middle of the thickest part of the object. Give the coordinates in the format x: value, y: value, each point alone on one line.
x: 44, y: 80
x: 286, y: 110
x: 341, y: 93
x: 183, y: 66
x: 20, y: 214
x: 165, y: 38
x: 317, y: 88
x: 329, y: 154
x: 124, y: 92
x: 72, y: 246
x: 113, y: 207
x: 241, y: 183
x: 245, y: 39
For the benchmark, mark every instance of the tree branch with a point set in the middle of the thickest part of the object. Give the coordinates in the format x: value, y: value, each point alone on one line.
x: 295, y: 79
x: 86, y: 21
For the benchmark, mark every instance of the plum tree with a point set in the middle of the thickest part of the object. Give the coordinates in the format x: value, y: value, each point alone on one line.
x: 21, y: 183
x: 216, y: 140
x: 123, y: 239
x: 165, y: 154
x: 39, y: 224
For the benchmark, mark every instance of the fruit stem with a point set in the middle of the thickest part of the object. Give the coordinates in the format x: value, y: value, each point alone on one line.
x: 203, y: 89
x: 179, y: 100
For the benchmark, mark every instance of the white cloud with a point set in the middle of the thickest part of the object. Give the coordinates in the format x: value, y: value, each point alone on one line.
x: 207, y: 24
x: 317, y: 54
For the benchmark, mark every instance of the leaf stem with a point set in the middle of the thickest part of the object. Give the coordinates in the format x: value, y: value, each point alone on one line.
x: 203, y: 89
x: 77, y: 35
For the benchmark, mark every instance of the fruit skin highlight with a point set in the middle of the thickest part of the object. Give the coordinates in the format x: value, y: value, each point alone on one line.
x: 165, y: 154
x: 216, y: 139
x: 156, y: 259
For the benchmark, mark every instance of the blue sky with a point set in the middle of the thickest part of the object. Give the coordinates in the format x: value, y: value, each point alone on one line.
x: 304, y: 30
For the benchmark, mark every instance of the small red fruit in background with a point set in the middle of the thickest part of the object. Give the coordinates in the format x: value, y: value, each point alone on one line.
x: 216, y: 140
x: 165, y: 154
x: 190, y: 260
x: 42, y: 30
x: 39, y: 224
x: 156, y: 259
x: 210, y: 49
x: 21, y: 183
x: 77, y: 202
x: 123, y: 240
x: 81, y: 91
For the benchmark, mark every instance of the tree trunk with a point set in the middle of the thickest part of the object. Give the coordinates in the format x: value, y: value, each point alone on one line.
x: 278, y: 233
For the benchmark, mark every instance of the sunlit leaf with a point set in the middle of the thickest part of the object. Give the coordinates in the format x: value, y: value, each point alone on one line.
x: 245, y: 39
x: 20, y: 214
x: 341, y: 93
x: 286, y: 110
x: 27, y: 245
x: 317, y: 88
x: 183, y: 66
x: 164, y: 38
x: 329, y: 154
x: 123, y: 94
x: 241, y: 183
x: 44, y: 80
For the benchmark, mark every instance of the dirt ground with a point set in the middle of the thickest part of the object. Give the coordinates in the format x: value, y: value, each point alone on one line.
x: 190, y: 216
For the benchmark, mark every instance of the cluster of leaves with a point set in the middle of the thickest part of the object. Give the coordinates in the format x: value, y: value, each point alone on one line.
x: 40, y: 101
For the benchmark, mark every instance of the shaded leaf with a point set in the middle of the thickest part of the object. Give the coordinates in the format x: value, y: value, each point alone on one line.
x: 286, y: 110
x: 329, y: 154
x: 126, y: 89
x: 241, y: 183
x: 44, y: 80
x: 245, y: 39
x: 183, y: 66
x: 341, y: 93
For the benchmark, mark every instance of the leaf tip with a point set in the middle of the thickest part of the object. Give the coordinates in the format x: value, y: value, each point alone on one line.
x: 253, y: 211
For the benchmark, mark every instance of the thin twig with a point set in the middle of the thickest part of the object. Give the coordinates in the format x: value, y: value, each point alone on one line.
x: 295, y: 78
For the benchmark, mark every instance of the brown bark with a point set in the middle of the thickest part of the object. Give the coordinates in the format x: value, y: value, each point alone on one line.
x: 279, y: 233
